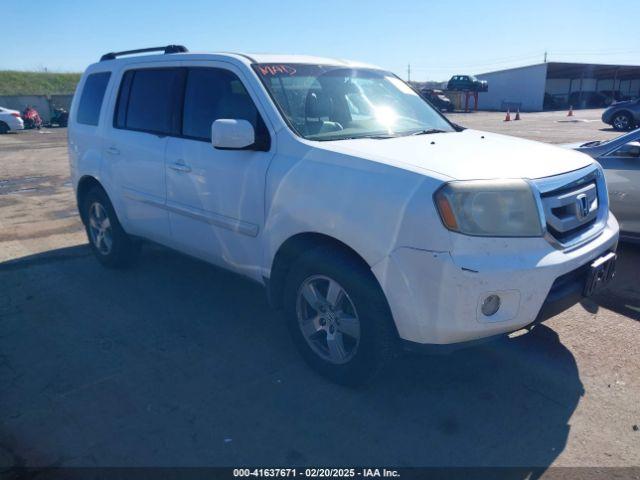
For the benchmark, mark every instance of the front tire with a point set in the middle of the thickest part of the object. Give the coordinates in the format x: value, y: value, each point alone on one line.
x: 622, y: 121
x: 109, y: 242
x: 4, y: 128
x: 338, y: 316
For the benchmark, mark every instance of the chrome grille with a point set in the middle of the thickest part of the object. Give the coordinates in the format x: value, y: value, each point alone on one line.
x: 574, y: 205
x: 568, y: 212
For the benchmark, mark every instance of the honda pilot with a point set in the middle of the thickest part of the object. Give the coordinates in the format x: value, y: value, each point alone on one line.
x: 371, y: 220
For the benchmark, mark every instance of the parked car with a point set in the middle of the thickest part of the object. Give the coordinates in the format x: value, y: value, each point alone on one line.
x: 467, y: 82
x: 438, y: 99
x: 59, y: 117
x: 371, y: 220
x: 620, y: 159
x: 612, y: 96
x: 10, y: 120
x: 623, y: 115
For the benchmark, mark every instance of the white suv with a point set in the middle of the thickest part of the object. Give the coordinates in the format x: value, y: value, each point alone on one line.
x: 371, y: 220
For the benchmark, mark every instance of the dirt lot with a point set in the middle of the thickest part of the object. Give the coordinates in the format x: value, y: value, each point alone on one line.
x: 549, y: 127
x: 177, y: 363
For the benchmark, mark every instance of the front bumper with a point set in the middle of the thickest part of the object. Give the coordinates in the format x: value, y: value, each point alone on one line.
x: 436, y: 297
x: 607, y: 116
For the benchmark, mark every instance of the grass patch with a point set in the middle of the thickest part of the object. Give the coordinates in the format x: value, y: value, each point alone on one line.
x: 37, y: 83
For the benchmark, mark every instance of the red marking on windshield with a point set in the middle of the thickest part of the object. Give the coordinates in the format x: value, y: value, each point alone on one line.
x: 276, y: 70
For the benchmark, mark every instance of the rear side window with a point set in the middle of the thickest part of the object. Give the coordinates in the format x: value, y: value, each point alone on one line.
x: 91, y: 98
x: 212, y: 94
x: 149, y: 101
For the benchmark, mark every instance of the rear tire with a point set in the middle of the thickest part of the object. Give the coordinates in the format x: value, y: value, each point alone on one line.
x: 109, y: 242
x: 346, y: 335
x: 4, y: 128
x: 622, y: 121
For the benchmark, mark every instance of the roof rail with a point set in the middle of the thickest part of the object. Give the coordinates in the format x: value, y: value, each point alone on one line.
x: 168, y: 49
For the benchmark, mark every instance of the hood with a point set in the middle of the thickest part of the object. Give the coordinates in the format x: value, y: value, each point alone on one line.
x: 572, y: 146
x: 466, y: 155
x: 623, y: 103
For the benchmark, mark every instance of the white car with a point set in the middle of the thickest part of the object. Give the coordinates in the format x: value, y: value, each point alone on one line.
x: 371, y: 220
x: 10, y: 120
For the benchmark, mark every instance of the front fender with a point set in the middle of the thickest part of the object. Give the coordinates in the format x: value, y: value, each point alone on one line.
x: 370, y: 206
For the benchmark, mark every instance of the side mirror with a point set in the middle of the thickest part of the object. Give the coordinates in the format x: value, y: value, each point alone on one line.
x: 230, y: 134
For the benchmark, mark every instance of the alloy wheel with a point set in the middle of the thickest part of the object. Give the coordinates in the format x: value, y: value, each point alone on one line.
x: 621, y: 122
x: 100, y: 228
x: 328, y: 319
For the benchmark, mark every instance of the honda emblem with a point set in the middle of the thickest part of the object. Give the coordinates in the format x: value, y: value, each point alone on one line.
x: 582, y: 206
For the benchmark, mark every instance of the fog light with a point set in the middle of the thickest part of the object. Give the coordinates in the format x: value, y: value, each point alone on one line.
x: 490, y: 305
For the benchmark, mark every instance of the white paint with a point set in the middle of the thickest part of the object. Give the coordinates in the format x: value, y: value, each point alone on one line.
x: 374, y: 195
x: 232, y: 133
x: 9, y: 117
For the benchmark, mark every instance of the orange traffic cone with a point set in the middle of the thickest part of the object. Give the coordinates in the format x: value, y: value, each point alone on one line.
x: 508, y: 117
x: 517, y: 115
x: 570, y: 114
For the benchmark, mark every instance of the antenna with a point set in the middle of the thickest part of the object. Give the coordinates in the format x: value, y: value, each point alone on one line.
x: 545, y: 56
x: 408, y: 72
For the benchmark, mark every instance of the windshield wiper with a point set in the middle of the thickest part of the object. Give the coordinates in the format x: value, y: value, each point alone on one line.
x: 380, y: 137
x: 428, y: 131
x: 356, y: 137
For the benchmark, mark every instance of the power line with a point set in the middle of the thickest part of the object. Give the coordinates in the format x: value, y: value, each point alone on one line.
x: 514, y: 61
x: 525, y: 57
x: 595, y: 53
x: 475, y: 65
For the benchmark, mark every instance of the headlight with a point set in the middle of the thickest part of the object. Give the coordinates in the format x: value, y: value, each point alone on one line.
x: 490, y: 208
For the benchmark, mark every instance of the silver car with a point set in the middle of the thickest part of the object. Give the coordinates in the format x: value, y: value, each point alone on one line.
x: 620, y: 159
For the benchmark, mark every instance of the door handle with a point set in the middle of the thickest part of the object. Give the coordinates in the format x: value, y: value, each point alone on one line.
x: 113, y: 151
x: 180, y: 166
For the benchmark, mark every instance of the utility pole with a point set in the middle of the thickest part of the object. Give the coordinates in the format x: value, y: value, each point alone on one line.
x: 545, y: 56
x: 408, y: 72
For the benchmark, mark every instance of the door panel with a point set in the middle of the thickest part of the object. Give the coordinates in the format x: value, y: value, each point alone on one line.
x: 215, y: 197
x: 137, y: 163
x: 146, y: 112
x: 623, y: 182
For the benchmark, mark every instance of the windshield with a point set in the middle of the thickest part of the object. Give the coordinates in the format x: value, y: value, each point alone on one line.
x: 324, y: 102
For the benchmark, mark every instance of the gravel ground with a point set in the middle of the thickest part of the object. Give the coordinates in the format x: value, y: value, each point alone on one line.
x: 175, y: 362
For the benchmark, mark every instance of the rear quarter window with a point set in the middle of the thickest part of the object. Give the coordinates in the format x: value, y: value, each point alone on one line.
x: 92, y: 97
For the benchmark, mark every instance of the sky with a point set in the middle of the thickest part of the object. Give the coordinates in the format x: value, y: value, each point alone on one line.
x: 438, y: 39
